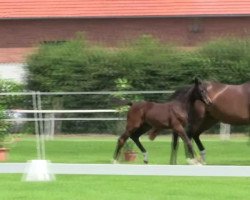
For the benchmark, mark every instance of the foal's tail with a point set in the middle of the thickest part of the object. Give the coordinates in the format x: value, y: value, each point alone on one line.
x: 129, y: 103
x: 121, y: 102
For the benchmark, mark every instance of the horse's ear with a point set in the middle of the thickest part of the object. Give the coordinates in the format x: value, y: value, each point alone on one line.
x: 197, y: 81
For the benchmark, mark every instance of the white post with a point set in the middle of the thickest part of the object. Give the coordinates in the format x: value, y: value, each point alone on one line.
x: 38, y: 170
x: 41, y: 125
x: 38, y: 146
x: 49, y: 126
x: 225, y: 131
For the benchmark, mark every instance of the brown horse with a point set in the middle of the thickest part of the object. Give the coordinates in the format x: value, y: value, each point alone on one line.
x: 145, y: 116
x: 220, y: 102
x: 199, y: 121
x: 227, y: 103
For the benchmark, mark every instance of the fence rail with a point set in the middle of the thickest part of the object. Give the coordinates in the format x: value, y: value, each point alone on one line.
x: 66, y: 111
x: 93, y: 92
x: 68, y: 119
x: 127, y: 169
x: 105, y: 169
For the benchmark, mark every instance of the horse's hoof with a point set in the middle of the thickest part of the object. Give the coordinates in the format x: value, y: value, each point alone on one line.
x: 193, y: 162
x: 151, y: 137
x: 145, y: 161
x: 201, y: 161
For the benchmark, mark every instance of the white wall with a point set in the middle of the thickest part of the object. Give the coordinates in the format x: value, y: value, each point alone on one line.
x: 13, y: 72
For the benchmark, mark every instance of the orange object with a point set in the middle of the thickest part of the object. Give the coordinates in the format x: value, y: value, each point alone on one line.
x: 3, y: 154
x: 130, y: 156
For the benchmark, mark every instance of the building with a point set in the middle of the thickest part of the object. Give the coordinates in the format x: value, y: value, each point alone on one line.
x: 25, y: 24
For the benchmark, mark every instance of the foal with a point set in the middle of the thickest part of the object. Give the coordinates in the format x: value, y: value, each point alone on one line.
x: 153, y: 117
x: 200, y: 120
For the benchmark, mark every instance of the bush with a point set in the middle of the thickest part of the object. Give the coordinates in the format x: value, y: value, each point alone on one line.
x: 11, y: 102
x: 228, y: 59
x: 146, y: 64
x: 4, y: 126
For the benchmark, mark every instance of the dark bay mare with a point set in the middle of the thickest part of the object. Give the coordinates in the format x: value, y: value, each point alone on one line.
x: 220, y: 103
x: 199, y: 121
x: 227, y: 103
x: 153, y: 117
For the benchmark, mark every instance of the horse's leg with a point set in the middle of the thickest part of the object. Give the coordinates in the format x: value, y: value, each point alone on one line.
x: 189, y: 134
x: 174, y: 148
x: 135, y: 138
x: 200, y: 121
x: 201, y: 148
x: 196, y: 137
x: 178, y: 128
x: 153, y: 133
x: 205, y: 125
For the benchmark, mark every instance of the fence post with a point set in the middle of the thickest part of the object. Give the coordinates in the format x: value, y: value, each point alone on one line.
x: 49, y: 126
x: 225, y: 131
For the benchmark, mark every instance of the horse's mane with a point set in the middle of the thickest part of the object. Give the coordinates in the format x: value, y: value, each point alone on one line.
x: 180, y: 93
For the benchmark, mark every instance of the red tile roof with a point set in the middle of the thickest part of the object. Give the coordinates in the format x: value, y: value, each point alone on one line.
x: 120, y: 8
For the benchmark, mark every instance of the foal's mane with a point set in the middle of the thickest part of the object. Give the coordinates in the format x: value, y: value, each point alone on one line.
x: 181, y: 93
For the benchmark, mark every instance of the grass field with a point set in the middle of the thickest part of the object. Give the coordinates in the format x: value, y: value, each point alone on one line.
x: 100, y: 150
x: 125, y: 188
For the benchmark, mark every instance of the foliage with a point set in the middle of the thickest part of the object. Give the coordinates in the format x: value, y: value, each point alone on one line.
x: 228, y: 60
x: 146, y: 64
x: 143, y: 64
x: 122, y: 85
x: 78, y: 66
x: 4, y: 127
x: 7, y: 103
x: 129, y: 146
x: 11, y: 101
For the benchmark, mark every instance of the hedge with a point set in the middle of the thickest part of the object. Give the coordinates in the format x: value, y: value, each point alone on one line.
x: 146, y: 64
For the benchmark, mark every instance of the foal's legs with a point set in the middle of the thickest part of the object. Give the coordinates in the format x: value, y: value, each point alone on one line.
x: 178, y: 128
x: 135, y: 138
x: 190, y: 136
x: 153, y: 133
x: 134, y: 133
x: 120, y: 142
x: 174, y: 148
x: 199, y: 144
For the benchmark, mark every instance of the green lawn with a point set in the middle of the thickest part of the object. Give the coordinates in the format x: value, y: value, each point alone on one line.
x: 125, y: 188
x: 100, y: 150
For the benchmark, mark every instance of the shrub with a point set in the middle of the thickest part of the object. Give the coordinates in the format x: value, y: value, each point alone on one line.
x: 228, y: 59
x: 4, y: 126
x: 146, y: 64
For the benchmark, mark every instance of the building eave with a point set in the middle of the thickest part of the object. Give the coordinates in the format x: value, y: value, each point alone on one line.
x: 125, y: 17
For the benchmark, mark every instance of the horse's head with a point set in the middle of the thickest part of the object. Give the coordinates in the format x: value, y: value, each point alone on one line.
x: 201, y: 92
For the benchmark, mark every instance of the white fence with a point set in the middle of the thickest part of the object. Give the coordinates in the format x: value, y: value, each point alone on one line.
x: 128, y: 169
x: 46, y: 118
x: 49, y: 119
x: 106, y: 169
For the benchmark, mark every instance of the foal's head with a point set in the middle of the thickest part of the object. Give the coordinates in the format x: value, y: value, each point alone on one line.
x: 200, y: 92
